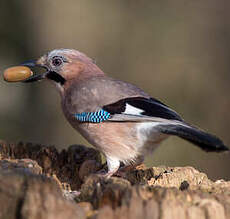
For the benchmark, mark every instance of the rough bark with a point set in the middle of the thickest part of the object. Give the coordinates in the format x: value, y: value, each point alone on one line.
x: 39, y: 182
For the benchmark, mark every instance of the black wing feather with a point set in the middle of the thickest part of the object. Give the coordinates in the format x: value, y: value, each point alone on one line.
x: 150, y: 106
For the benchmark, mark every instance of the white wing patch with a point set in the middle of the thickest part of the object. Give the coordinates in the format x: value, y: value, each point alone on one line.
x: 131, y: 110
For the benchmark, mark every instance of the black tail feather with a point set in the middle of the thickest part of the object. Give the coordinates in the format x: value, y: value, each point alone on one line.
x: 205, y: 141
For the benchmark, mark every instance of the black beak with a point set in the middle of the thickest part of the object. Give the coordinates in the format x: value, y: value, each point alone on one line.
x: 30, y: 63
x: 48, y: 74
x: 38, y: 77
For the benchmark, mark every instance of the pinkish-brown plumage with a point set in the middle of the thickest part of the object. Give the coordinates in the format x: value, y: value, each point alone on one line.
x: 136, y: 123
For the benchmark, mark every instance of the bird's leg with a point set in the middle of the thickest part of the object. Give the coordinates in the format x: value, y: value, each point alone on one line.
x: 113, y: 165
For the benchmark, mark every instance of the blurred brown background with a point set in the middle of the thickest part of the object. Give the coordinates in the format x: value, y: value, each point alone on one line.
x: 178, y: 51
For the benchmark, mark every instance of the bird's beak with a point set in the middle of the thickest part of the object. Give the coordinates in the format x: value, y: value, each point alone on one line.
x: 38, y: 77
x: 52, y: 75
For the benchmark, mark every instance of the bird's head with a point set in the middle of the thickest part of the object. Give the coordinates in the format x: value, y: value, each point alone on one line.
x: 63, y: 66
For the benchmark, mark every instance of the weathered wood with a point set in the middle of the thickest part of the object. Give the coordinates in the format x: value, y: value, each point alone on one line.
x: 39, y: 182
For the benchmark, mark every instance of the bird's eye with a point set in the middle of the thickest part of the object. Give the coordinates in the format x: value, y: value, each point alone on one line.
x: 57, y: 61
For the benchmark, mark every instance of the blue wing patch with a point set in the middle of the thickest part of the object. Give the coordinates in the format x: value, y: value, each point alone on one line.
x: 94, y: 117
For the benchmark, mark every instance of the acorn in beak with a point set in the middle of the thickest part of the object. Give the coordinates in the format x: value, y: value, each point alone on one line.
x: 38, y: 77
x: 52, y: 75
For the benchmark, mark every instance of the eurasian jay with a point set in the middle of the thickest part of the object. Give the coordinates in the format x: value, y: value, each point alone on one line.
x: 116, y: 117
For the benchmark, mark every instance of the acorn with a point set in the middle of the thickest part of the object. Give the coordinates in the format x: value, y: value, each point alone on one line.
x: 17, y: 73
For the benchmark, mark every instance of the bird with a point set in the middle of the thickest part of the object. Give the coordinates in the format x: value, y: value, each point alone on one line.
x: 116, y: 117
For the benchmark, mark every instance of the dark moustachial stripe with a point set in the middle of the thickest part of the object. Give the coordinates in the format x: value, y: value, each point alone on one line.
x: 151, y: 107
x: 56, y: 77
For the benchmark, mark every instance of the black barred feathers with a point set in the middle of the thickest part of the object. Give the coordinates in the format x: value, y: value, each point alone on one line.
x: 94, y: 117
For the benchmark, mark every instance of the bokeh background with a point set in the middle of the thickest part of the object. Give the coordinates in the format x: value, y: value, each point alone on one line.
x: 178, y: 51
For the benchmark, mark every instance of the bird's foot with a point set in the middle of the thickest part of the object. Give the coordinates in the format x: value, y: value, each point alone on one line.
x: 119, y: 173
x: 104, y: 173
x: 131, y: 167
x: 107, y: 174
